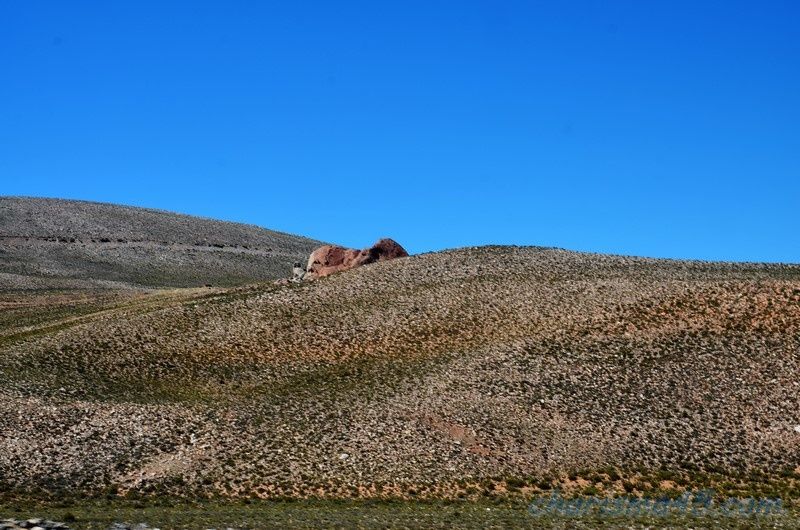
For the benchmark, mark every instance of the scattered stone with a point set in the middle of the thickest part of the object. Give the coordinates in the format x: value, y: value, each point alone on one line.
x: 31, y: 524
x: 128, y: 526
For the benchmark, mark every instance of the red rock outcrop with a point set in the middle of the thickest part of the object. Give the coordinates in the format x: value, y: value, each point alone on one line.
x: 329, y: 259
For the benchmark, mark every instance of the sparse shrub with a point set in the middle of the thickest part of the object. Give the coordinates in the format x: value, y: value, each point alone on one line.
x: 516, y: 483
x: 591, y: 491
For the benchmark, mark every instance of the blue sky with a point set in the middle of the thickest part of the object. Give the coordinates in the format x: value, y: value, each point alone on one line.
x: 667, y: 129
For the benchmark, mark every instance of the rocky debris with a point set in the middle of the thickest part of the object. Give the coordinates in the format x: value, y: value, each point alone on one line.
x: 44, y: 524
x: 129, y: 526
x: 298, y: 272
x: 31, y: 524
x: 330, y: 259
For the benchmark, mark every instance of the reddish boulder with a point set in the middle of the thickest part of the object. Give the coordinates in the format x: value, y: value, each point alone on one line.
x: 329, y: 259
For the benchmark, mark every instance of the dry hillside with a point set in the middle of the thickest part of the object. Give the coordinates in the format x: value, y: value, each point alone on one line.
x: 479, y: 371
x: 62, y: 244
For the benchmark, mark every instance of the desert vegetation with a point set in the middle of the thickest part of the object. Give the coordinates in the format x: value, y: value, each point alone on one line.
x: 480, y: 373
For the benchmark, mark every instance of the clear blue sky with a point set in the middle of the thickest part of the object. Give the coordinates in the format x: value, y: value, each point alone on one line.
x: 651, y: 128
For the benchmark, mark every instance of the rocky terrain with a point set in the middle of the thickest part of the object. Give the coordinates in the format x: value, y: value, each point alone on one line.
x: 486, y: 371
x: 32, y: 524
x: 61, y: 244
x: 45, y: 524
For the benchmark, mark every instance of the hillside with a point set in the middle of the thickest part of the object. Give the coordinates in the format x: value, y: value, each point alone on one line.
x: 474, y: 372
x: 53, y: 243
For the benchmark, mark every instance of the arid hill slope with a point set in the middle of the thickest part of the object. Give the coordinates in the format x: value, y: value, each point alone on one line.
x: 54, y: 243
x: 425, y: 375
